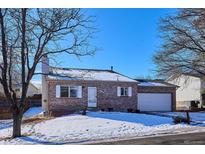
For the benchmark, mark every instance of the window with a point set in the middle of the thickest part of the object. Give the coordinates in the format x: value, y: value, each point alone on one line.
x: 64, y: 91
x: 123, y: 91
x: 69, y: 91
x: 73, y: 91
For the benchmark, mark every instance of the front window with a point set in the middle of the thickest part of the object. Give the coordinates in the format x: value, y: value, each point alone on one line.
x: 73, y: 91
x: 124, y: 91
x: 64, y: 91
x: 69, y: 91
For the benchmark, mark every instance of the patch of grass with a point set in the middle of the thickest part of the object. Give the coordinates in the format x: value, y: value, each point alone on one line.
x: 5, y: 138
x: 26, y: 134
x: 36, y: 119
x: 10, y: 137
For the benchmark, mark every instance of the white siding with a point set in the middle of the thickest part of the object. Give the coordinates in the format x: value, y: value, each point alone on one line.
x: 190, y: 88
x: 32, y: 90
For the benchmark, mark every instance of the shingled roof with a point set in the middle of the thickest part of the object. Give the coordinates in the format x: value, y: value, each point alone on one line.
x: 56, y: 73
x: 154, y: 83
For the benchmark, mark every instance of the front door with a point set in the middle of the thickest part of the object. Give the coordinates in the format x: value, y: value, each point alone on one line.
x: 92, y: 97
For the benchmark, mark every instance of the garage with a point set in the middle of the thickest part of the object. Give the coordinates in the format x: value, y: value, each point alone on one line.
x: 155, y: 101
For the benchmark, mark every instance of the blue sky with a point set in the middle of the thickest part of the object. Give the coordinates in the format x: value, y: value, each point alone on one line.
x: 128, y: 39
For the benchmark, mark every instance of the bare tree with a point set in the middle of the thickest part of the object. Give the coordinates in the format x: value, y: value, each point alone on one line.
x: 183, y: 47
x: 26, y: 35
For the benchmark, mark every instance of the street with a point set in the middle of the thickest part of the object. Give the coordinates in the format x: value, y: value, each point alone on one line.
x: 179, y: 139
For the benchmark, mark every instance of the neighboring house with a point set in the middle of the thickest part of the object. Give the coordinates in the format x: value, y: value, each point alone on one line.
x: 65, y: 90
x: 32, y: 90
x: 5, y: 112
x: 190, y: 89
x: 37, y: 84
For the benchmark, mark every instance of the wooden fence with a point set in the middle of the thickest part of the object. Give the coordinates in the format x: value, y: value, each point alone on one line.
x: 5, y: 112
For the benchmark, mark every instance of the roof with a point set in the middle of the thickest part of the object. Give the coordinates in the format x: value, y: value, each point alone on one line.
x: 173, y: 77
x: 154, y: 83
x: 36, y: 84
x: 86, y: 74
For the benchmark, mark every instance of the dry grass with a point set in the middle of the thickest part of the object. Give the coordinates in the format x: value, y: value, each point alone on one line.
x: 5, y: 138
x: 36, y: 119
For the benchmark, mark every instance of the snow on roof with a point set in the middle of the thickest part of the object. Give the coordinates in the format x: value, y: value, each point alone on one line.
x: 152, y: 84
x: 86, y: 74
x: 36, y: 84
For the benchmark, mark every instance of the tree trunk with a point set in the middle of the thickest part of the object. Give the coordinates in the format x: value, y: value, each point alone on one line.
x: 17, y: 118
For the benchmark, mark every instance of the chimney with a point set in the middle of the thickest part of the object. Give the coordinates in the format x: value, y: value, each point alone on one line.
x: 111, y: 68
x: 45, y: 65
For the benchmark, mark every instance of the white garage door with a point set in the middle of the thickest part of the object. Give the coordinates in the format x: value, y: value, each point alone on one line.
x: 154, y: 101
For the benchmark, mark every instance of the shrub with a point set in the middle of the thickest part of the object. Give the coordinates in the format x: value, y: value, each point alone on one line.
x: 84, y: 112
x: 179, y: 119
x: 129, y: 110
x: 137, y: 111
x: 110, y: 109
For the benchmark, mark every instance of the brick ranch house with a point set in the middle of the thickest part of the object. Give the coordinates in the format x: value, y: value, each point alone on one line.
x: 66, y: 90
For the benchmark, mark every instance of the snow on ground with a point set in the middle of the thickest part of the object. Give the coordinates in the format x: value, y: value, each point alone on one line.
x: 5, y: 124
x: 95, y: 126
x: 196, y: 117
x: 34, y: 111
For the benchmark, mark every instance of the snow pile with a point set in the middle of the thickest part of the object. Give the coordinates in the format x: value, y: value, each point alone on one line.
x: 75, y: 129
x: 34, y: 111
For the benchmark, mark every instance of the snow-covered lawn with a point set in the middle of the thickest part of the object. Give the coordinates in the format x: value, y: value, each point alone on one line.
x: 196, y: 117
x: 95, y: 126
x: 34, y: 111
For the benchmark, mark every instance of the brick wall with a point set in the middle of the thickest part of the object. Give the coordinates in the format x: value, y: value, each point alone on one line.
x: 106, y: 96
x: 172, y: 90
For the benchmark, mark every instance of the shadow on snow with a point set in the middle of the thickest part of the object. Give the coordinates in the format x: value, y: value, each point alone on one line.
x: 37, y: 141
x: 145, y: 119
x: 5, y: 124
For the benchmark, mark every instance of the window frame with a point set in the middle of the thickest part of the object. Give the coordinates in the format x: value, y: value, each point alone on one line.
x: 61, y: 92
x: 75, y: 88
x: 69, y: 91
x: 125, y: 91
